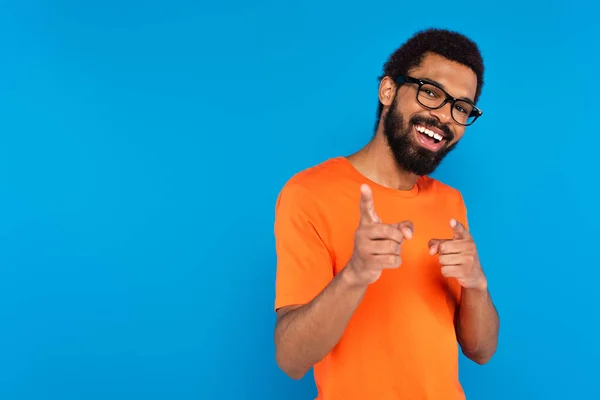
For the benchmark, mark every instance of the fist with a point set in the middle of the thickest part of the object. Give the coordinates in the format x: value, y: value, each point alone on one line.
x: 377, y: 246
x: 459, y: 259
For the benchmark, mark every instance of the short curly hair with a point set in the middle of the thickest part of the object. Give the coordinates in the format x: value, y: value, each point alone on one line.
x: 449, y: 44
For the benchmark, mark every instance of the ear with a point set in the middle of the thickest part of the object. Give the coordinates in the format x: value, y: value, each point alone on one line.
x: 387, y: 90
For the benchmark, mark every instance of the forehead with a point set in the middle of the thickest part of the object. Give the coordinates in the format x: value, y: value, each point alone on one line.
x: 459, y: 80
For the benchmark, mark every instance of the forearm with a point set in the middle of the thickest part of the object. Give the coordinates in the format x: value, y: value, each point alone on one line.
x: 478, y: 325
x: 307, y: 334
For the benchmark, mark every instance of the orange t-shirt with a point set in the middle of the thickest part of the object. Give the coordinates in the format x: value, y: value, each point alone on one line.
x: 400, y: 342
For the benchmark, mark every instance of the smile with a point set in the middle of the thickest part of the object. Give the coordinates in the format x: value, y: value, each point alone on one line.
x: 429, y: 137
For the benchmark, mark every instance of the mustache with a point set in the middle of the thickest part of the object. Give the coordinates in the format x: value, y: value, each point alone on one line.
x: 421, y: 120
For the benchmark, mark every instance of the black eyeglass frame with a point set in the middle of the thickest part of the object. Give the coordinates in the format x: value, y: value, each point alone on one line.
x: 476, y: 112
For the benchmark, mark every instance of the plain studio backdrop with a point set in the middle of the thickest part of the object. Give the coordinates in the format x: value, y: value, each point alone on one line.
x: 143, y: 144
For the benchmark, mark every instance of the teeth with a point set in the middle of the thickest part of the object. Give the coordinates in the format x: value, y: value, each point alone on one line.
x: 429, y: 133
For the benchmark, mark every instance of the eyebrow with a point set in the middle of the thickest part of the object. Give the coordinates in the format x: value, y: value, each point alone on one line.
x: 443, y: 87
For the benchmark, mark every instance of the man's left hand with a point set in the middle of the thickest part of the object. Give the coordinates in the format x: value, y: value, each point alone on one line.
x: 459, y: 259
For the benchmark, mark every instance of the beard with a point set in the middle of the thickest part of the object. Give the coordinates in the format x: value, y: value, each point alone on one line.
x: 409, y: 154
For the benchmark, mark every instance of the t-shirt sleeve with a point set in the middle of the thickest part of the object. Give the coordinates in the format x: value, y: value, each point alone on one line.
x: 462, y: 211
x: 304, y: 262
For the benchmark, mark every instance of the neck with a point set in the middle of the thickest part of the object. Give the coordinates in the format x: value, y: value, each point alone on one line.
x: 376, y: 162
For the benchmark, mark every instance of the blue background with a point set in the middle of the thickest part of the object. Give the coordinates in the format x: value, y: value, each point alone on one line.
x: 143, y: 144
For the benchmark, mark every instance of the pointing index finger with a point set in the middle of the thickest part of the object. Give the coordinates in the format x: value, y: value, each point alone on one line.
x: 367, y: 206
x: 460, y: 232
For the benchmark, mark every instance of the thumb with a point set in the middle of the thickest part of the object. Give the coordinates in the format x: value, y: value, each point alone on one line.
x: 367, y: 206
x: 407, y: 228
x: 460, y: 232
x: 434, y: 245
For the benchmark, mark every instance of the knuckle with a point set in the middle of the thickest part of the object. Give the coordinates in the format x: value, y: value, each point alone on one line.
x: 363, y: 230
x: 393, y: 260
x: 361, y: 248
x: 363, y: 235
x: 386, y: 248
x: 399, y: 236
x: 385, y: 230
x: 394, y: 233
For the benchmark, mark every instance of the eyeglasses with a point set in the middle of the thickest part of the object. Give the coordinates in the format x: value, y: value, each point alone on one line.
x: 433, y: 97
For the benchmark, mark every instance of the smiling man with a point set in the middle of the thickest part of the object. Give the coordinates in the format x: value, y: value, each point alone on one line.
x: 378, y: 278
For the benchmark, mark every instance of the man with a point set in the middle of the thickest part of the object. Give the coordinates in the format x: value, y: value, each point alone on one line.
x: 378, y: 277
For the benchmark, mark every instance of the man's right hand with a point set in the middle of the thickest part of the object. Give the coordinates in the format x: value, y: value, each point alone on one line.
x: 377, y: 246
x: 307, y: 333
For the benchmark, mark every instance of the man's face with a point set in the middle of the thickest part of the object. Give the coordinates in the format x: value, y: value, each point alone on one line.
x: 408, y: 125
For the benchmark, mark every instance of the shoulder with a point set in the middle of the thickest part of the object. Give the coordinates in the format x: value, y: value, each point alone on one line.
x: 316, y: 183
x: 441, y: 190
x: 320, y: 176
x: 447, y: 199
x: 302, y: 209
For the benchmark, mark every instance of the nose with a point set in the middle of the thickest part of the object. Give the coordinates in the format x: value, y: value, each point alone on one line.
x: 443, y: 114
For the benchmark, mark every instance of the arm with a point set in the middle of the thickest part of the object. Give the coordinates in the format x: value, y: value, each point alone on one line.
x: 304, y: 335
x: 313, y: 310
x: 477, y: 325
x: 477, y: 322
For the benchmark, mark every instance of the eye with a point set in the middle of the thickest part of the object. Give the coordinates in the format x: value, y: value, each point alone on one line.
x: 461, y: 109
x: 429, y: 93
